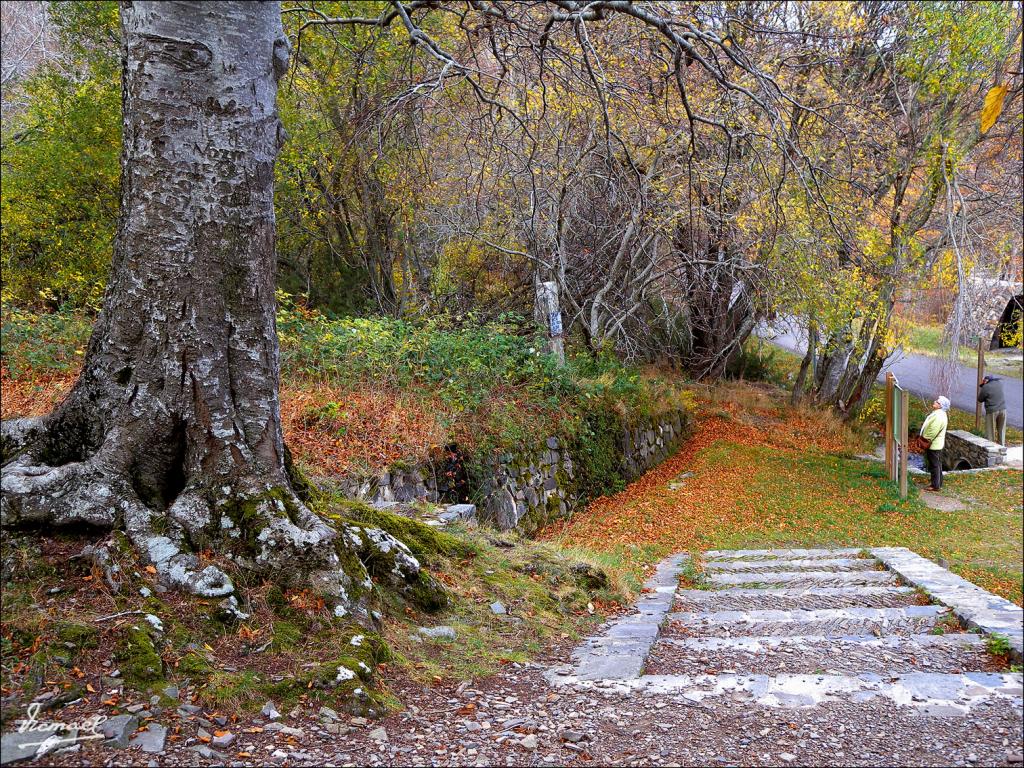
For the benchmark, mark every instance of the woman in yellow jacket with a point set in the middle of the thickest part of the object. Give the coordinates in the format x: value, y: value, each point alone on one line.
x: 934, y: 430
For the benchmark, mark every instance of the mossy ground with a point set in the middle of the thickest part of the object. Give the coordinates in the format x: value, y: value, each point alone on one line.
x: 291, y: 648
x: 422, y: 540
x: 546, y: 600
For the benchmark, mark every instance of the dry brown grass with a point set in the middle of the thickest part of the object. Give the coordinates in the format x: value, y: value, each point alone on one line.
x: 360, y: 429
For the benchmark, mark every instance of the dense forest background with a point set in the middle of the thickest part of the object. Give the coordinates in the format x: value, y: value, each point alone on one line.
x: 808, y: 160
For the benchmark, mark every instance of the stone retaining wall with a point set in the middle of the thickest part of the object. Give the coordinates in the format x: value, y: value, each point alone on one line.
x: 394, y: 485
x: 964, y: 447
x: 529, y: 488
x: 647, y: 445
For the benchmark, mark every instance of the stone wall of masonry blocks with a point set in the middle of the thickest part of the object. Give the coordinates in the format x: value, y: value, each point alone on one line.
x: 532, y: 486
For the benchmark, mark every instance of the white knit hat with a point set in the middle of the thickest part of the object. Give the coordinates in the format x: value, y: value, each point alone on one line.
x: 943, y: 402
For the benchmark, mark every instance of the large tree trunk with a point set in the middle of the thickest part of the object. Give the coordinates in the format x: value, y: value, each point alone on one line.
x: 722, y: 317
x: 173, y: 429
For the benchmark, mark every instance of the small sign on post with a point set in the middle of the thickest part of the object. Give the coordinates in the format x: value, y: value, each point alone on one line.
x: 555, y: 323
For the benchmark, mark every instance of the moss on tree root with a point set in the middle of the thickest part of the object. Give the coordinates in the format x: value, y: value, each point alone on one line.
x: 423, y: 541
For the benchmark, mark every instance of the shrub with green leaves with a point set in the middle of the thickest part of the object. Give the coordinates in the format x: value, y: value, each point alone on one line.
x: 470, y: 365
x: 42, y: 343
x: 462, y: 360
x: 59, y: 198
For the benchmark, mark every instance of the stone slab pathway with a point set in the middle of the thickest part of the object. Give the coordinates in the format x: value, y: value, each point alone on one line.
x: 800, y: 628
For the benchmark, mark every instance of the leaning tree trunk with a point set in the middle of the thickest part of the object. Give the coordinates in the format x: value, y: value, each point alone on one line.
x: 808, y: 364
x: 852, y: 360
x: 173, y: 429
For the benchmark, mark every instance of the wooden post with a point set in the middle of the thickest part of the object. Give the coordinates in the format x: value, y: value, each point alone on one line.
x: 904, y: 439
x: 981, y: 375
x: 888, y: 424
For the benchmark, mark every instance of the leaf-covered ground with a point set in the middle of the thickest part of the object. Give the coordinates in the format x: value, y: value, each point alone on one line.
x: 359, y: 394
x: 766, y: 475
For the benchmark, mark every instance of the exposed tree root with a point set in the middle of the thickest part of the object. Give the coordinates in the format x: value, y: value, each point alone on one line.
x: 263, y: 528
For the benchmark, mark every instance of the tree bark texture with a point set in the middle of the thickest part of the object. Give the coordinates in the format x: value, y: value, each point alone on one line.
x: 173, y: 429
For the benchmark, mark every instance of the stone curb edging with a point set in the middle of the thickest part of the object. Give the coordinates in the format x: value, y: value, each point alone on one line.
x: 971, y: 604
x: 621, y: 652
x: 931, y: 693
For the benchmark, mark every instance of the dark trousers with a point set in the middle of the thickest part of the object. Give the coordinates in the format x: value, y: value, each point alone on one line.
x: 933, y: 460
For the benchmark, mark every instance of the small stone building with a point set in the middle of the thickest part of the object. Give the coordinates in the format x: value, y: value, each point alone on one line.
x: 994, y: 304
x: 1004, y: 326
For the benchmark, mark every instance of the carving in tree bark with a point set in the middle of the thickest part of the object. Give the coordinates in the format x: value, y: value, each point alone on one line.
x: 173, y: 429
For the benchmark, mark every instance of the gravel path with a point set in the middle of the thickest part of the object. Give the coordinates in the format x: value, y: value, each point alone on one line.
x: 517, y: 719
x: 653, y: 692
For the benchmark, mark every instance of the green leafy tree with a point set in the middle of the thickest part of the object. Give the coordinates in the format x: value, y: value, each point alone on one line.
x: 59, y: 197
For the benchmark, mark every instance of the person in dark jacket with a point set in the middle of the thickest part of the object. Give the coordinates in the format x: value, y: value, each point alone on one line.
x: 991, y: 394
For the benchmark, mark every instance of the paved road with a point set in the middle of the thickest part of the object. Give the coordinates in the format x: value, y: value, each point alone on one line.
x: 914, y: 373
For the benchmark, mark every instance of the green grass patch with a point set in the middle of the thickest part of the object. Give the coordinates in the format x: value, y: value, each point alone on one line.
x: 997, y: 644
x: 927, y: 339
x: 820, y: 500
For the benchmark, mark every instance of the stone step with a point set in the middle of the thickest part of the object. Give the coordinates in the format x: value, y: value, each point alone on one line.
x: 765, y: 643
x: 619, y: 651
x: 930, y: 692
x: 762, y: 554
x: 810, y: 564
x: 791, y: 599
x: 790, y: 579
x: 975, y: 607
x: 854, y: 655
x: 912, y: 619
